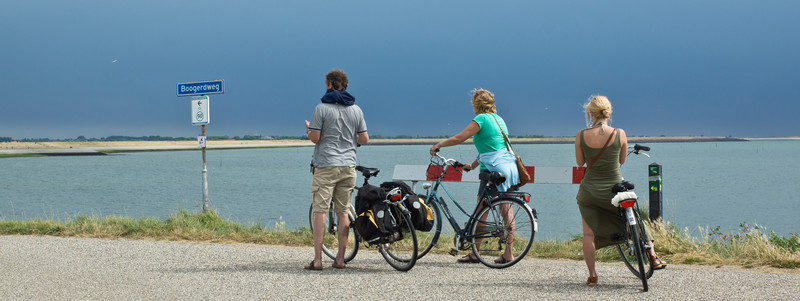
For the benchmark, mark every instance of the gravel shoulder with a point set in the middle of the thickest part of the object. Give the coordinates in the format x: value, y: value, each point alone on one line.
x: 38, y: 268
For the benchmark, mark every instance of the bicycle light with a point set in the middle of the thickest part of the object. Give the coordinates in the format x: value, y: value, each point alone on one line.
x: 395, y: 195
x: 624, y: 199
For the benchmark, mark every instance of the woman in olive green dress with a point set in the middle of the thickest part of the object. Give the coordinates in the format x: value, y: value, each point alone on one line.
x: 602, y: 225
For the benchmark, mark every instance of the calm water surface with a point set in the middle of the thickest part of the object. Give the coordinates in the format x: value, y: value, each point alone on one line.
x: 705, y: 184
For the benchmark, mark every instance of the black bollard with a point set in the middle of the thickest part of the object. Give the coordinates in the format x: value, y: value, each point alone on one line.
x: 654, y: 172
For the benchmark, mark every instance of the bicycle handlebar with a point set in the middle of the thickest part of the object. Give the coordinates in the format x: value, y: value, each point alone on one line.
x: 639, y: 150
x: 451, y: 162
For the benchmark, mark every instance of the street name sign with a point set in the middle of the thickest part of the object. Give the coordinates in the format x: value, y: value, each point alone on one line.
x: 201, y: 88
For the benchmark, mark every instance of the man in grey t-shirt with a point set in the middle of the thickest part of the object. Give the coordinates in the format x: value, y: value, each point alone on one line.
x: 337, y: 128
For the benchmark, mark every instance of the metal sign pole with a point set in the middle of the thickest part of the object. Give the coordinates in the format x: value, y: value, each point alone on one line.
x: 205, y: 175
x: 201, y: 116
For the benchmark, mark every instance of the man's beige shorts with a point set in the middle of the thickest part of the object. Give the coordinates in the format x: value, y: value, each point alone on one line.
x: 332, y: 182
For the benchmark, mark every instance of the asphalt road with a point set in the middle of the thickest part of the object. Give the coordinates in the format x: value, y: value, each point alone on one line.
x: 53, y: 268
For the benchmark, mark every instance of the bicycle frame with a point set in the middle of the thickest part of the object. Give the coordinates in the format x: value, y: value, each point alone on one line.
x: 433, y: 196
x: 627, y: 209
x: 462, y: 240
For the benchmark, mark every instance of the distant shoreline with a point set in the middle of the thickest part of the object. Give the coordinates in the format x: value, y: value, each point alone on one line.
x: 31, y: 149
x: 570, y: 140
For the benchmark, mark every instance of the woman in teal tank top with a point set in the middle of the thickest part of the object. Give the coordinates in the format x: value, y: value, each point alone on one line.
x: 486, y: 130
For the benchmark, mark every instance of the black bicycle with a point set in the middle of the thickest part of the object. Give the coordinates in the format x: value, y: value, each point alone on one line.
x: 499, y: 222
x: 634, y: 250
x: 400, y: 249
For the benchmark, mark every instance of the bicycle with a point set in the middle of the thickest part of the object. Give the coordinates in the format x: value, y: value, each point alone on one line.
x: 400, y: 250
x: 498, y: 220
x: 634, y: 250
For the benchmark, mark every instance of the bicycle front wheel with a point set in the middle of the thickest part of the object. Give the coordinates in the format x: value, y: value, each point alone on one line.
x: 639, y: 254
x: 427, y: 239
x: 401, y: 253
x: 627, y: 250
x: 330, y: 242
x: 503, y: 233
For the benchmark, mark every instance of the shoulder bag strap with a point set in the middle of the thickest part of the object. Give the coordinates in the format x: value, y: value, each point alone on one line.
x: 508, y: 143
x: 601, y: 151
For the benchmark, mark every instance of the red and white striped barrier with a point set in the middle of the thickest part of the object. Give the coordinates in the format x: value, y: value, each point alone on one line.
x: 539, y: 175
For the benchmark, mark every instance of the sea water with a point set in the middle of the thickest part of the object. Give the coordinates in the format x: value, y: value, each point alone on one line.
x: 705, y: 184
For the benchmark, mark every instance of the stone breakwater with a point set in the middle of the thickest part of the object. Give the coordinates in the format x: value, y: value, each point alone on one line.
x: 54, y: 268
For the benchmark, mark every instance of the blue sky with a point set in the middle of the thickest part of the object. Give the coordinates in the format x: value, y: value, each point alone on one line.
x: 102, y: 68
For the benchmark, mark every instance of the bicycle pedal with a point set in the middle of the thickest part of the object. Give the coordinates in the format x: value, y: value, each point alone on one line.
x: 453, y: 252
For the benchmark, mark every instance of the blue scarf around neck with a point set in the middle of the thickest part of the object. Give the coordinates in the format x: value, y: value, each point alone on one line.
x: 340, y: 97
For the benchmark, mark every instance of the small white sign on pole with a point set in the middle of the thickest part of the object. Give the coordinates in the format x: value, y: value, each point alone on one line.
x: 200, y: 113
x: 201, y: 141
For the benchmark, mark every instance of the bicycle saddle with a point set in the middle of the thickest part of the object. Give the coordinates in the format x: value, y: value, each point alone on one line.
x: 368, y: 171
x: 494, y: 177
x: 620, y: 187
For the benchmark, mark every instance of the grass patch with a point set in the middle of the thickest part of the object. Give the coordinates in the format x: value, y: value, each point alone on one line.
x: 20, y: 155
x: 200, y: 226
x: 751, y: 246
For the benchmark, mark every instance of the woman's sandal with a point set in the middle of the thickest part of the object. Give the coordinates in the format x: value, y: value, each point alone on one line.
x: 592, y: 281
x: 656, y: 263
x: 502, y: 260
x: 468, y: 259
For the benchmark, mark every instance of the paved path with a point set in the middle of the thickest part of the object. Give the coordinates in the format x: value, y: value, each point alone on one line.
x: 53, y: 268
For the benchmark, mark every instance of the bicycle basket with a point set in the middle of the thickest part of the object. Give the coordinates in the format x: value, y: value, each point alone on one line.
x: 448, y: 174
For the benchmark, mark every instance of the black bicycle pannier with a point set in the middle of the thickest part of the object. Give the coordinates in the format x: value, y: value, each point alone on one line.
x: 421, y: 214
x: 367, y: 227
x: 378, y: 224
x: 387, y: 223
x: 367, y: 196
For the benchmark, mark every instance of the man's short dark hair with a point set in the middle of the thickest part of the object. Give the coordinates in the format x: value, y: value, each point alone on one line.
x: 337, y: 78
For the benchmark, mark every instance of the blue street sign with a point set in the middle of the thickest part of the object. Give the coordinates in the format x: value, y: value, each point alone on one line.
x: 198, y: 88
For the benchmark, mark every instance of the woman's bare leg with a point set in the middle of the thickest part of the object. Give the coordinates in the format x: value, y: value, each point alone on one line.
x: 588, y: 249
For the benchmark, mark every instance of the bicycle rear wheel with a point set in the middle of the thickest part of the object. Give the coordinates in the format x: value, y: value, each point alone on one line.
x: 401, y: 253
x: 627, y: 249
x: 330, y: 242
x: 507, y: 224
x: 427, y: 239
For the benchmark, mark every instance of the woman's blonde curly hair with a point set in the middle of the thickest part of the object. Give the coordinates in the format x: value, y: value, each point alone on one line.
x: 483, y: 101
x: 596, y: 109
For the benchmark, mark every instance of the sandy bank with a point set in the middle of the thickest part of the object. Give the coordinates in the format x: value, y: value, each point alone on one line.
x: 102, y: 147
